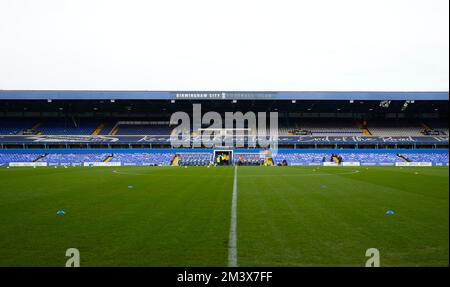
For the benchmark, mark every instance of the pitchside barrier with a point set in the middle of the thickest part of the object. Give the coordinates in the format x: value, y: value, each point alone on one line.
x: 441, y: 164
x: 349, y: 163
x: 413, y: 164
x: 329, y: 163
x: 385, y: 164
x: 27, y: 164
x: 102, y: 164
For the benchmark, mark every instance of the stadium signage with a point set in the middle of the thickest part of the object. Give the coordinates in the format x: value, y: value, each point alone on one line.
x: 224, y: 95
x: 70, y: 138
x: 219, y: 95
x: 102, y: 164
x: 27, y: 164
x: 350, y: 163
x: 166, y: 139
x: 366, y: 139
x: 413, y: 164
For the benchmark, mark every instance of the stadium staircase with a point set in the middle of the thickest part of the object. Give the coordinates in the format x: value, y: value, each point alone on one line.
x: 108, y: 158
x: 98, y: 129
x: 40, y: 157
x: 175, y: 161
x: 36, y: 126
x: 426, y: 127
x: 296, y: 126
x: 402, y: 157
x: 365, y: 131
x: 114, y: 131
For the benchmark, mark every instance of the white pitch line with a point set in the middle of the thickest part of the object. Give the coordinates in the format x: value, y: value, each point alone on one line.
x: 232, y: 244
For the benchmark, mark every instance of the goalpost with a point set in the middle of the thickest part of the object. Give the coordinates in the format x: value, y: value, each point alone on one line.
x: 223, y: 137
x: 230, y: 151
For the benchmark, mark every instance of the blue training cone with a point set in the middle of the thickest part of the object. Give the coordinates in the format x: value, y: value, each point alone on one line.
x: 389, y: 212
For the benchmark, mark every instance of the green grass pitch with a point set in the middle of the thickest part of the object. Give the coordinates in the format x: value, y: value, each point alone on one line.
x: 173, y: 216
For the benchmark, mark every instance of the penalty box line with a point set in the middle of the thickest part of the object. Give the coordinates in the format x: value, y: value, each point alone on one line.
x: 232, y: 243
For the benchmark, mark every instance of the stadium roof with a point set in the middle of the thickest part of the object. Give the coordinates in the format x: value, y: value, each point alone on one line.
x: 217, y: 95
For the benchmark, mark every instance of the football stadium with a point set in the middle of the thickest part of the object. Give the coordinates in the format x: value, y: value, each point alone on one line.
x: 112, y: 174
x: 224, y: 143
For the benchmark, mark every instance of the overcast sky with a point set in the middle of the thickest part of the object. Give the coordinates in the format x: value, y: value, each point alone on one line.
x: 276, y: 45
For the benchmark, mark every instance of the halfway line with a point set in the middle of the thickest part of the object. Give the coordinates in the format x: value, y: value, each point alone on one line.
x: 232, y: 243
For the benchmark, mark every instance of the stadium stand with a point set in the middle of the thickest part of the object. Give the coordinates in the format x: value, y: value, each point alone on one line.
x: 439, y: 127
x: 67, y: 127
x: 13, y: 126
x: 426, y: 157
x: 395, y: 128
x: 50, y: 126
x: 322, y: 127
x: 141, y: 128
x: 314, y: 127
x: 165, y: 158
x: 19, y: 157
x: 362, y: 157
x: 194, y: 158
x: 135, y: 131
